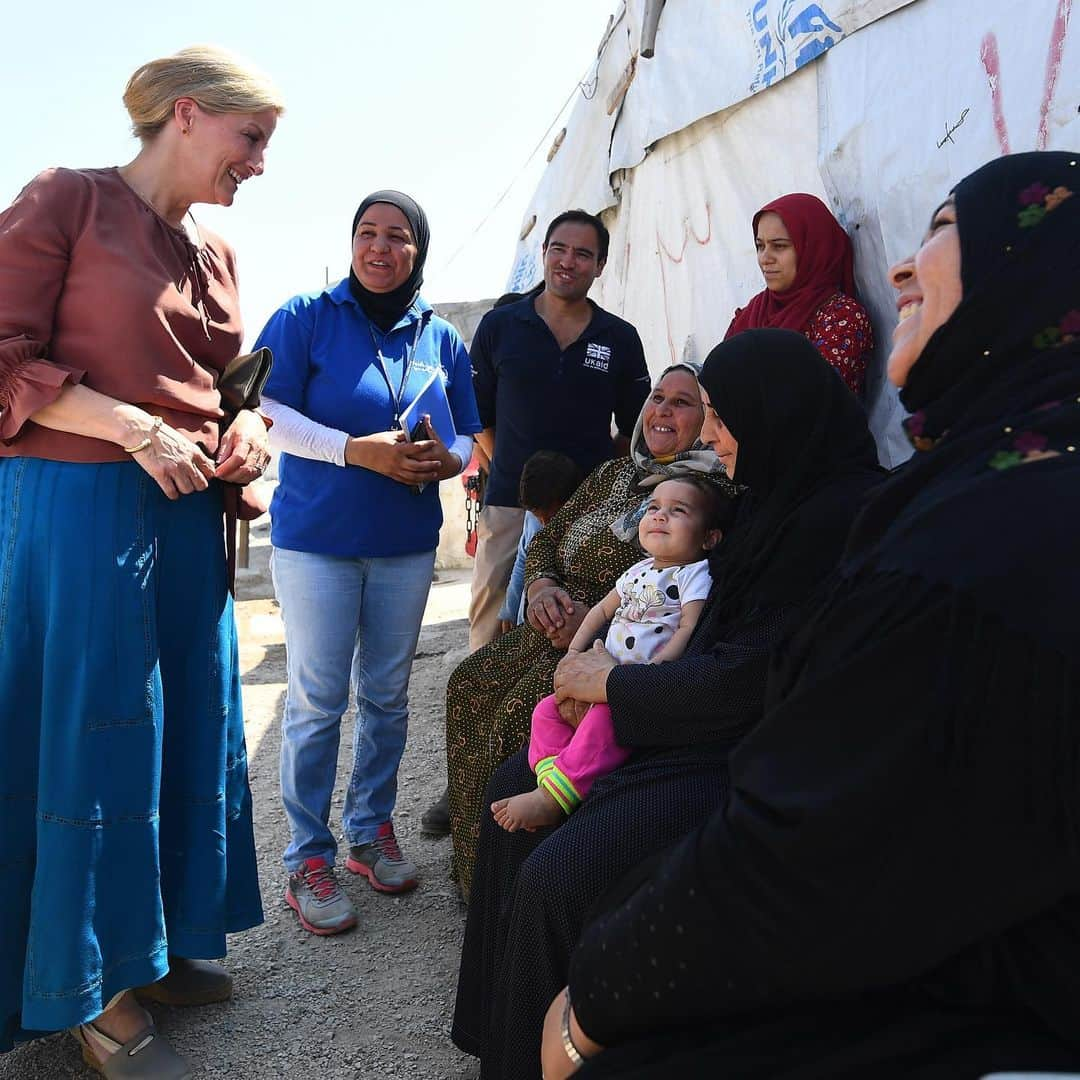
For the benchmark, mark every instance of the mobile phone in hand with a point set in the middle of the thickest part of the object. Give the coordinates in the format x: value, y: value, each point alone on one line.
x: 419, y: 431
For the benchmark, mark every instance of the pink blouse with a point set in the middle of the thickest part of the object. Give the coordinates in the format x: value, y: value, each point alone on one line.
x: 97, y: 288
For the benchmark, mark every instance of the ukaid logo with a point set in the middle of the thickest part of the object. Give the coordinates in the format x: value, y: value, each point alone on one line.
x: 597, y: 357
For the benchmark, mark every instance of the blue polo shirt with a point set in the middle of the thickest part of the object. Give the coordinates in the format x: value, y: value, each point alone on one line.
x: 326, y: 366
x: 540, y: 397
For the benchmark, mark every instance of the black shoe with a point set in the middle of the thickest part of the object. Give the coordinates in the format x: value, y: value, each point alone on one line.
x: 436, y: 818
x: 189, y: 982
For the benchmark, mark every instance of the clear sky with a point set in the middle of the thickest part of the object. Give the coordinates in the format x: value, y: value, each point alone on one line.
x: 444, y: 100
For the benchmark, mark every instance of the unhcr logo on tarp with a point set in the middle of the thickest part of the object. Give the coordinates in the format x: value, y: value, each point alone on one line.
x: 797, y: 34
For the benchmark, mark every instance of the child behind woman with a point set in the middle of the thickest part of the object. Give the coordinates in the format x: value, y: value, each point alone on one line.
x: 547, y: 481
x: 652, y: 611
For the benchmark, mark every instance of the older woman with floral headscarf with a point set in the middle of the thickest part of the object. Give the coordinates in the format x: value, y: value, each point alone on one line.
x: 572, y: 564
x: 891, y: 888
x: 808, y: 264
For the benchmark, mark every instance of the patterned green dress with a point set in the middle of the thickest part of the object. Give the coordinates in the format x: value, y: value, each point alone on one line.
x: 491, y: 695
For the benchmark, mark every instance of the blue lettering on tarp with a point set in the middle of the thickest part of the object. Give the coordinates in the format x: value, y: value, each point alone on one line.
x: 801, y: 31
x: 768, y: 59
x: 812, y: 23
x: 765, y: 70
x: 523, y: 276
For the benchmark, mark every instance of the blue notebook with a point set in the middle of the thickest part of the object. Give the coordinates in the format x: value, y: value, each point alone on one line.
x: 431, y: 400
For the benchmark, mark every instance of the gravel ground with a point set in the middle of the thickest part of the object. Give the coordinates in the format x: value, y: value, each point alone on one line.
x: 375, y: 1002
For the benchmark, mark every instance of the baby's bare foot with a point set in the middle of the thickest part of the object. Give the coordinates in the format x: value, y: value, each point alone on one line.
x: 498, y: 811
x: 529, y: 811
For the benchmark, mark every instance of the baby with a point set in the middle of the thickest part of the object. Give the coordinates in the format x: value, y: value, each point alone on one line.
x: 652, y: 612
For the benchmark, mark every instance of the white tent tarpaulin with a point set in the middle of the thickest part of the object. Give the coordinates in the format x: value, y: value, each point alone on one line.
x: 710, y: 56
x: 879, y: 126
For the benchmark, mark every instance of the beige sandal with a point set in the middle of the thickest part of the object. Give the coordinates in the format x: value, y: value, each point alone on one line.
x: 147, y: 1056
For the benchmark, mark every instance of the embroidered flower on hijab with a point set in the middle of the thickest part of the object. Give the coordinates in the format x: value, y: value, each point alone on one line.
x: 1005, y: 459
x: 916, y: 423
x: 1038, y: 201
x: 915, y: 426
x: 1057, y: 197
x: 1067, y: 330
x: 1030, y: 441
x: 1028, y: 446
x: 1034, y: 194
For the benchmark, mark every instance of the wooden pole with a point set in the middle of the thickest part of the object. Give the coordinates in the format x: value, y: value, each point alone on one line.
x: 649, y: 23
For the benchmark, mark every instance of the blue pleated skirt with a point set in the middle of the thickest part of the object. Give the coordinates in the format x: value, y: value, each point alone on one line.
x: 125, y: 811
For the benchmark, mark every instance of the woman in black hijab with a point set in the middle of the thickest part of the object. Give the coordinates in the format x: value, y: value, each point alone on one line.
x: 354, y: 526
x: 812, y: 460
x: 891, y: 888
x: 384, y: 308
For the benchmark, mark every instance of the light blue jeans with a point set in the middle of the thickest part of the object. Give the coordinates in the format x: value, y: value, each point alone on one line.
x: 346, y: 621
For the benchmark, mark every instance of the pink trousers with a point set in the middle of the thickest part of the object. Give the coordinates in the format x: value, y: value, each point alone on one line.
x: 568, y: 760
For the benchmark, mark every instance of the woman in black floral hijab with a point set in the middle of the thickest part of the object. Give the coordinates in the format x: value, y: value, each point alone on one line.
x: 892, y: 888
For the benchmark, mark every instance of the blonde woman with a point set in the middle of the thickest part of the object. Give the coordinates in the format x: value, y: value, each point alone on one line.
x: 126, y: 814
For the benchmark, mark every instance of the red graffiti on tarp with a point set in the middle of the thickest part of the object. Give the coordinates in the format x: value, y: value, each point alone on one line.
x: 1053, y: 68
x: 991, y: 62
x: 988, y: 54
x: 688, y: 235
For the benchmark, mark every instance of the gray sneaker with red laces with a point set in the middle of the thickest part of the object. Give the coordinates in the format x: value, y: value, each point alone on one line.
x: 382, y: 863
x: 314, y: 894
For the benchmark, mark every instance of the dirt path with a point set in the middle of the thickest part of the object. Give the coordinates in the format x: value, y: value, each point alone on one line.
x: 372, y: 1003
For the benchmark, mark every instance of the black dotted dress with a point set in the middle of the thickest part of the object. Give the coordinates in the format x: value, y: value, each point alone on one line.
x: 889, y: 892
x: 532, y: 893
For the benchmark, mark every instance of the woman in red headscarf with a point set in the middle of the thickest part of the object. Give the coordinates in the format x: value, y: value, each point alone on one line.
x: 808, y: 265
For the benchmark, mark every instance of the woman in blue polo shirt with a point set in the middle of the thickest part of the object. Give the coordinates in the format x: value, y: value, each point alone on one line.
x: 354, y: 542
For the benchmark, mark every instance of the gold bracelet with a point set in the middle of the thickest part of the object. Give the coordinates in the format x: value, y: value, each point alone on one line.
x: 577, y: 1058
x: 154, y: 428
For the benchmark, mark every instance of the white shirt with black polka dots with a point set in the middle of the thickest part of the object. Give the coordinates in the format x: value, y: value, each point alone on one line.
x: 650, y: 607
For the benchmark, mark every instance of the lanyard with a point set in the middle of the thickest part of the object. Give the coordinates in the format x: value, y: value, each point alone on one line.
x: 410, y: 352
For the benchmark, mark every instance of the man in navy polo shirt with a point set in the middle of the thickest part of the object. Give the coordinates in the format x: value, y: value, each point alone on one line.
x: 549, y: 373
